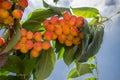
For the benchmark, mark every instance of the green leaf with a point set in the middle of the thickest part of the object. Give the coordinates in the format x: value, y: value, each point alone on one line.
x: 91, y: 59
x: 14, y: 64
x: 73, y: 73
x: 83, y: 68
x: 61, y: 52
x: 31, y: 24
x: 79, y: 51
x: 92, y: 66
x: 91, y: 78
x: 40, y: 14
x: 87, y: 12
x: 3, y: 72
x: 69, y: 54
x: 79, y: 71
x: 36, y: 17
x: 45, y: 4
x: 29, y: 64
x: 58, y: 46
x: 11, y: 78
x: 94, y: 20
x: 118, y: 12
x: 94, y: 46
x: 53, y: 43
x: 82, y: 48
x: 14, y: 39
x: 59, y: 10
x: 46, y: 64
x: 85, y: 28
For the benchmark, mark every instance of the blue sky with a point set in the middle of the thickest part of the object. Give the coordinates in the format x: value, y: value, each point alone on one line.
x: 109, y: 54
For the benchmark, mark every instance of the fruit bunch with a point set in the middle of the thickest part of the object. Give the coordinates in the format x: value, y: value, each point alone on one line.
x: 2, y: 41
x: 8, y: 13
x: 67, y: 29
x: 31, y: 42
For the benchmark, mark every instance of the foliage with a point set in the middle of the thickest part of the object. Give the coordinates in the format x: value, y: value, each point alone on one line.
x: 45, y: 64
x: 82, y: 55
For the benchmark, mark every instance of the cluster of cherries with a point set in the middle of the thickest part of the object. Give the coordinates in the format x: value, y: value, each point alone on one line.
x: 31, y: 42
x: 7, y: 14
x: 67, y: 30
x: 10, y: 10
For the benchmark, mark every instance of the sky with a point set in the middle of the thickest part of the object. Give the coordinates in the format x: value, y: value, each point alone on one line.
x: 109, y: 53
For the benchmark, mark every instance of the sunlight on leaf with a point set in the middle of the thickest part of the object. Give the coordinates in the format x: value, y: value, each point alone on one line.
x: 61, y: 52
x: 87, y: 12
x: 73, y: 73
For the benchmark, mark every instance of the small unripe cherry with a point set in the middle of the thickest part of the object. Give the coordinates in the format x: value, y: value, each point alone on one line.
x: 62, y: 22
x: 54, y: 20
x: 68, y: 42
x: 37, y: 36
x: 29, y: 44
x: 58, y: 30
x: 17, y: 13
x: 37, y: 46
x: 66, y: 16
x: 23, y: 39
x: 80, y: 22
x: 54, y: 36
x: 50, y: 27
x: 6, y: 5
x: 72, y: 20
x: 34, y: 53
x: 66, y: 29
x: 2, y: 41
x: 46, y: 45
x: 23, y: 3
x: 46, y: 23
x: 62, y: 38
x: 17, y: 46
x: 29, y: 35
x: 24, y: 49
x: 48, y: 35
x: 74, y: 31
x: 76, y: 40
x: 23, y: 32
x: 70, y: 37
x: 4, y: 13
x: 9, y: 20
